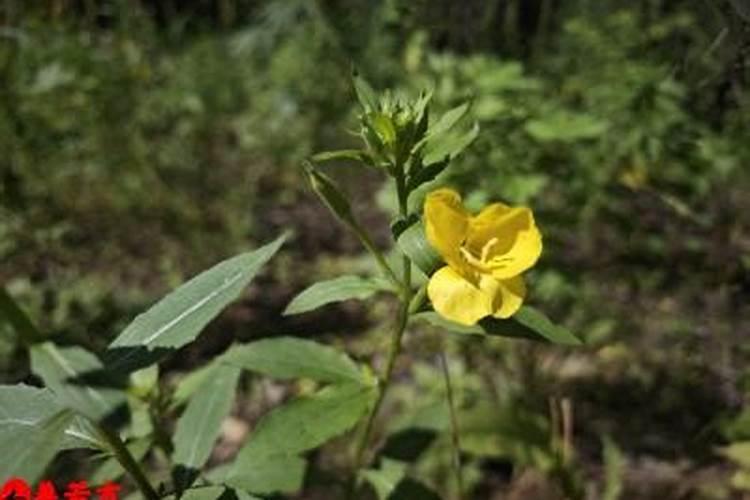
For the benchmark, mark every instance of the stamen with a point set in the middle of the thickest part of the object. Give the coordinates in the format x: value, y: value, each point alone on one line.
x: 487, y: 247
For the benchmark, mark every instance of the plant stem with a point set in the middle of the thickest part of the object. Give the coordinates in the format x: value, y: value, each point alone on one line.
x: 123, y: 455
x: 379, y: 258
x: 455, y: 431
x: 407, y: 308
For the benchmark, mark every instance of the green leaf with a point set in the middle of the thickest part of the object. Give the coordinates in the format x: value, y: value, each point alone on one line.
x: 301, y: 425
x: 365, y: 94
x: 329, y: 193
x: 335, y: 290
x: 614, y: 469
x: 413, y: 243
x: 178, y: 318
x: 438, y: 149
x: 344, y: 154
x: 385, y: 479
x: 59, y: 366
x: 23, y: 408
x: 27, y: 455
x: 425, y: 175
x: 12, y: 313
x: 200, y: 424
x: 528, y: 322
x: 290, y: 357
x: 448, y: 120
x: 268, y: 474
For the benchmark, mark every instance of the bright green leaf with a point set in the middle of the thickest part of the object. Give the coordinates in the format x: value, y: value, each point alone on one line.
x: 450, y: 146
x: 268, y: 474
x: 365, y: 94
x: 290, y: 357
x: 335, y: 290
x: 447, y: 120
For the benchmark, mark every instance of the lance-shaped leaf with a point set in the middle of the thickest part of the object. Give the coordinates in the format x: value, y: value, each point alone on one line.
x: 335, y: 290
x: 178, y: 318
x: 298, y: 426
x: 528, y: 322
x: 27, y: 455
x: 200, y: 424
x: 449, y: 146
x: 365, y: 94
x: 290, y: 357
x: 61, y: 367
x: 329, y: 193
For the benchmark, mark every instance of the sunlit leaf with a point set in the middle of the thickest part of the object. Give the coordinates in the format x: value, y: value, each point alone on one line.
x: 179, y: 317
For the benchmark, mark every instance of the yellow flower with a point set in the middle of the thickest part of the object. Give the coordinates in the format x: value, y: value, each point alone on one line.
x: 485, y: 256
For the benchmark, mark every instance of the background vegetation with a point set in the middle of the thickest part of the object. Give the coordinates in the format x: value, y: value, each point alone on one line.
x: 143, y: 141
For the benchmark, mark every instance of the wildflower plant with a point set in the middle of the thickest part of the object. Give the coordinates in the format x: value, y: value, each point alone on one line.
x: 114, y: 403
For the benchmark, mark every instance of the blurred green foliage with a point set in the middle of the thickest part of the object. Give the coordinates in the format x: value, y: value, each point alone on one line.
x: 142, y: 141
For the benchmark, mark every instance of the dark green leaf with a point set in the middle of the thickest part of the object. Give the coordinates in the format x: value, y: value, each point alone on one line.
x: 59, y: 366
x: 289, y: 357
x: 179, y: 317
x: 335, y: 290
x: 200, y: 424
x: 18, y: 319
x: 329, y: 193
x: 426, y: 174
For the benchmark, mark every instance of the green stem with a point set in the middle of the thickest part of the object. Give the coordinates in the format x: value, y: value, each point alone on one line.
x: 123, y: 455
x: 408, y: 307
x: 455, y: 431
x: 379, y: 258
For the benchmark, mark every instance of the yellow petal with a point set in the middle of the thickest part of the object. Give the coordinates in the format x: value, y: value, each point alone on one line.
x: 506, y: 238
x: 509, y: 300
x: 446, y: 224
x: 457, y: 299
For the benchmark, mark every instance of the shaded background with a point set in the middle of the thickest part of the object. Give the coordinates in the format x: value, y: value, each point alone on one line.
x: 142, y: 141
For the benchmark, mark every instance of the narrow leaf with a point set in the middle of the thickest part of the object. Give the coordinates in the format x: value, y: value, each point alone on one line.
x: 344, y: 154
x: 289, y: 357
x: 329, y: 193
x: 528, y: 322
x: 335, y: 290
x: 365, y: 94
x: 58, y: 366
x: 178, y: 318
x: 200, y: 424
